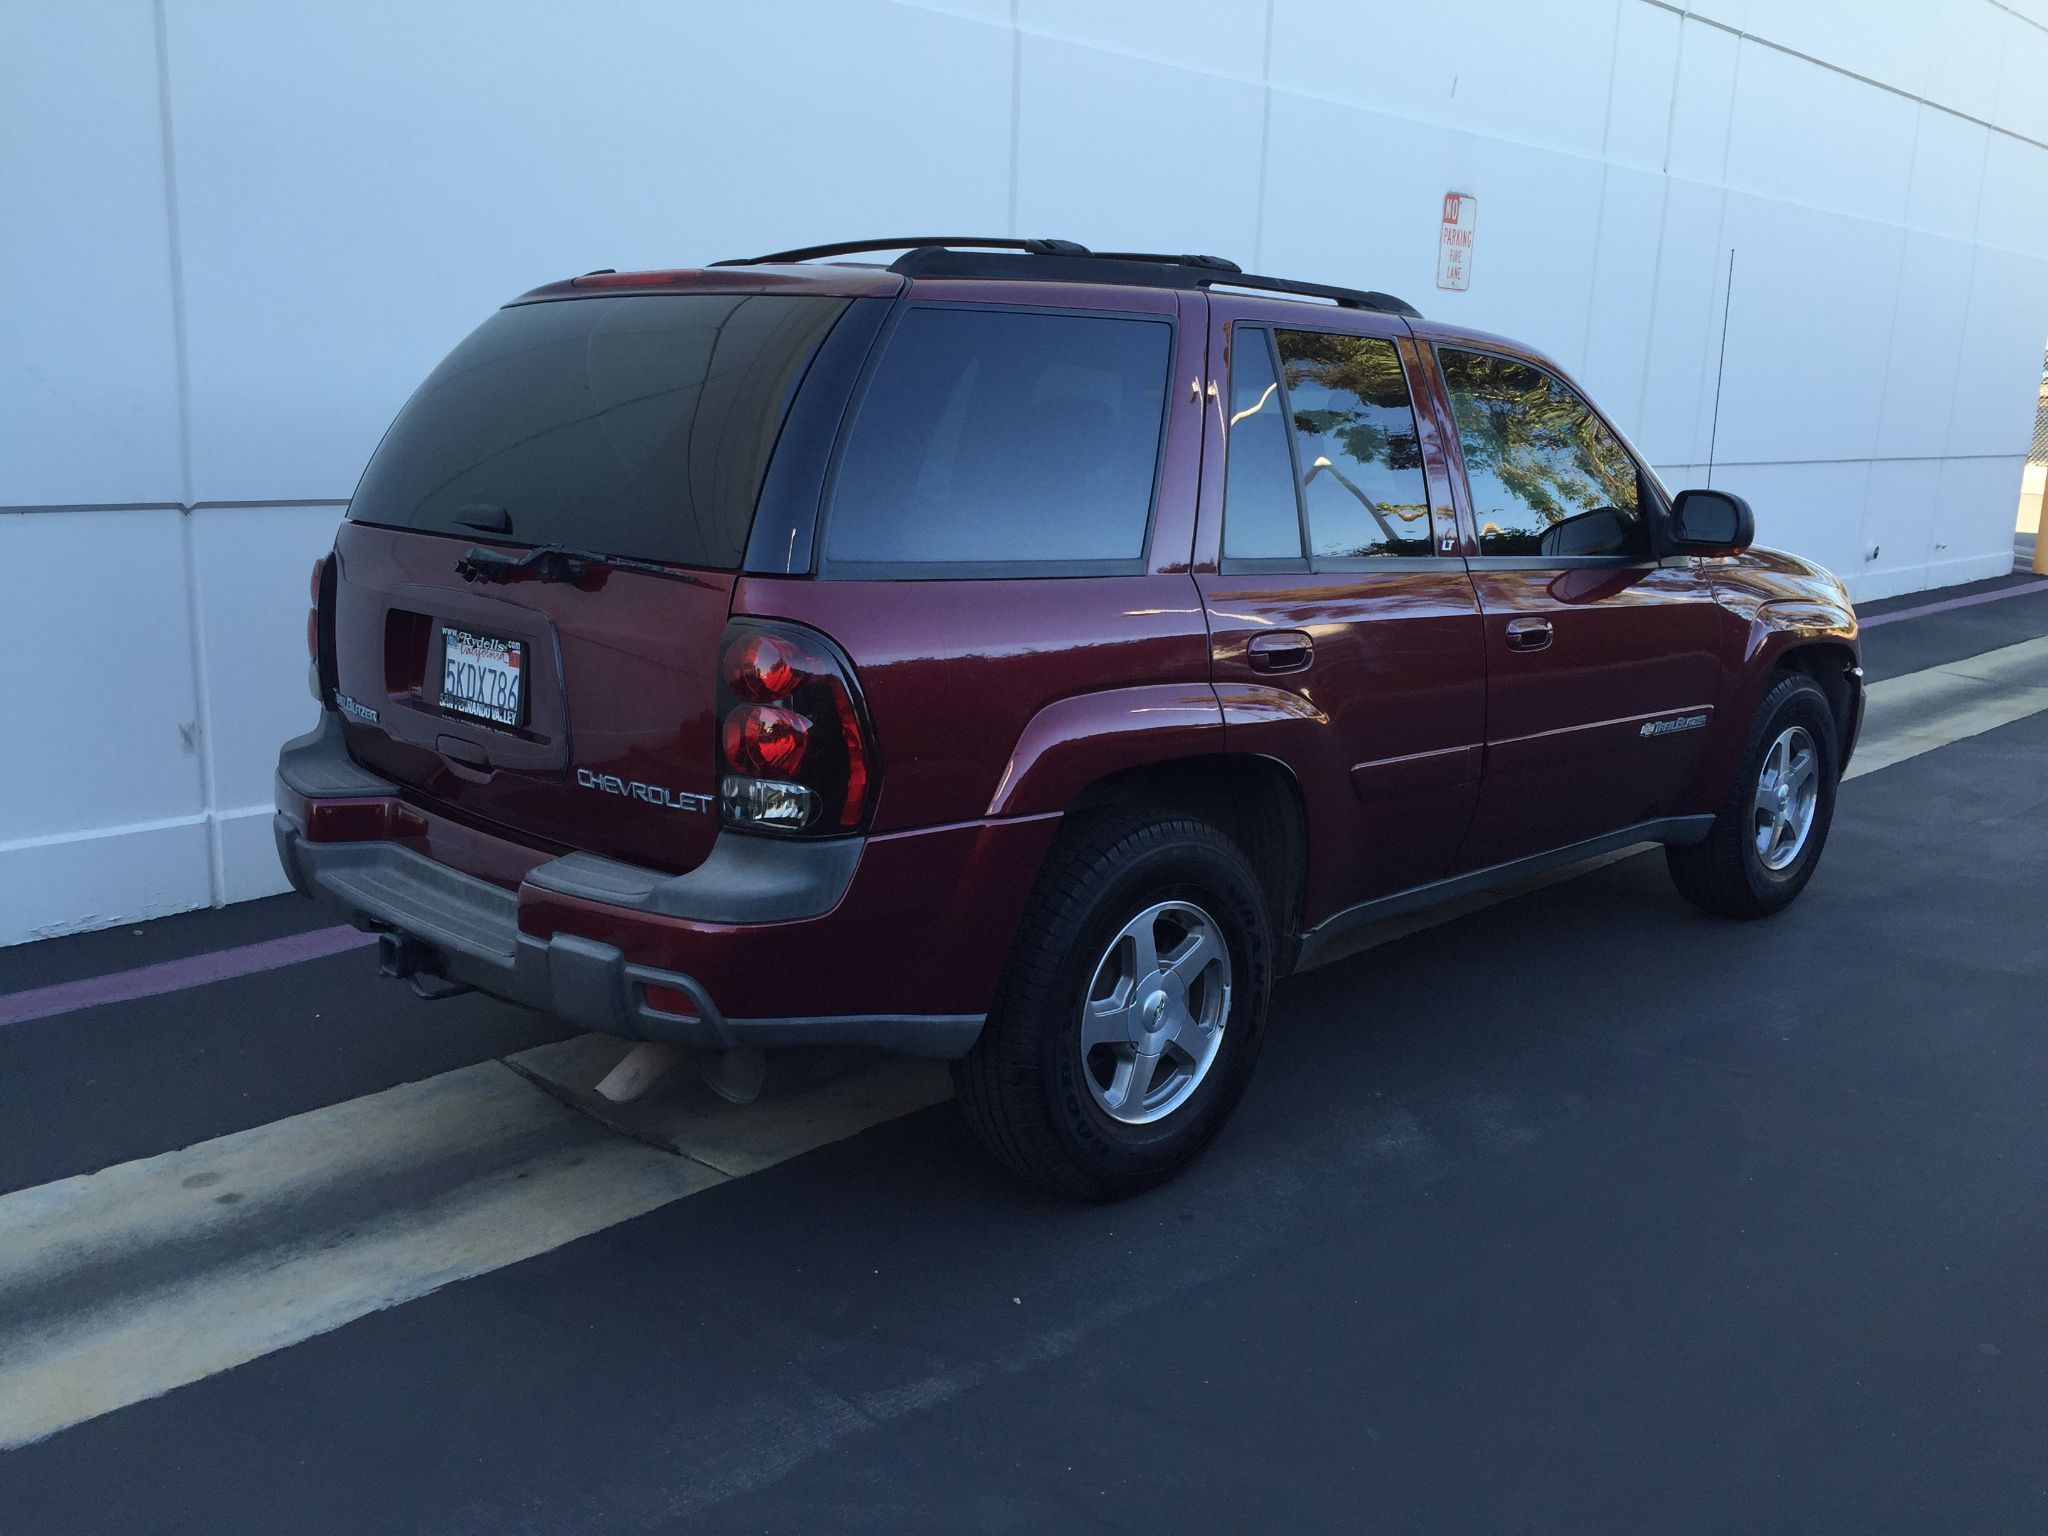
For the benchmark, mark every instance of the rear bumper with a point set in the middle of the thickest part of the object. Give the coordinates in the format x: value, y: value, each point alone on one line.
x: 893, y: 941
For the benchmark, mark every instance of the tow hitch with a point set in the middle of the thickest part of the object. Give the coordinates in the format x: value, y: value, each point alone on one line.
x: 404, y: 958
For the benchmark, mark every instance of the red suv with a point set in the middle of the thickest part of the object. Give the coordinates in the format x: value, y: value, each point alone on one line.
x: 1021, y: 655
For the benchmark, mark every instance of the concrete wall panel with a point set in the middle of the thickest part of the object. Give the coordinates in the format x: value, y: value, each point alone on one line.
x: 88, y: 363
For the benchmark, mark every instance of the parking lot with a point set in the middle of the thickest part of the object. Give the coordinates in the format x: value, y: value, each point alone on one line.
x: 1580, y: 1212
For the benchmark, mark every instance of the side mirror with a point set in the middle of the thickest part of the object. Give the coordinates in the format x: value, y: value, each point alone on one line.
x: 1712, y: 523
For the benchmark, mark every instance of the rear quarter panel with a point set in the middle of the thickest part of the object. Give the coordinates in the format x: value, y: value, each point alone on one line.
x: 956, y: 672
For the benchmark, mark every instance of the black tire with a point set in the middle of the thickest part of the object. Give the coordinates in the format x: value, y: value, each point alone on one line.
x: 1726, y: 875
x: 1021, y: 1087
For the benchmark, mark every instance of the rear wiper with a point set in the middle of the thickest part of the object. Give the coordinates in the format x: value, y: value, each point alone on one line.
x: 552, y: 562
x: 549, y: 562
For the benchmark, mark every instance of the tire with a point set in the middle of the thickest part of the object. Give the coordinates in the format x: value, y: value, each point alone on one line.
x: 1730, y: 874
x: 1044, y: 1104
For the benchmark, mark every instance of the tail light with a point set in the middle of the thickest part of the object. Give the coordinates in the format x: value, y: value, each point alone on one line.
x: 320, y: 632
x: 795, y: 750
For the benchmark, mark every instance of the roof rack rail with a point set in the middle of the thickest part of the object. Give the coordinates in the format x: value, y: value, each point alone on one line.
x: 1067, y: 261
x: 907, y: 243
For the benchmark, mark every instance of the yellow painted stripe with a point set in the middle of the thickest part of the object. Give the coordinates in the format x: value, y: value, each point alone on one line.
x: 120, y: 1285
x: 1906, y: 716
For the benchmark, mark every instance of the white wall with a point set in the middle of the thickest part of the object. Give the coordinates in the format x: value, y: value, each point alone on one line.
x: 234, y: 234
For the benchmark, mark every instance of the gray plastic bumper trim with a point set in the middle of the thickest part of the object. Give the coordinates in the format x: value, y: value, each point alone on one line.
x: 472, y: 927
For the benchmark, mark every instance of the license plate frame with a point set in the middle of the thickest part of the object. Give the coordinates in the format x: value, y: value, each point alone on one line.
x: 483, y: 676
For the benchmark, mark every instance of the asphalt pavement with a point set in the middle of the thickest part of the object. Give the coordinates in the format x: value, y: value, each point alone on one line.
x: 1583, y: 1212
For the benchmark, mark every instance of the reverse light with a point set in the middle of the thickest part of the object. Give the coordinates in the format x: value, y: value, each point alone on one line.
x: 794, y: 746
x: 768, y: 803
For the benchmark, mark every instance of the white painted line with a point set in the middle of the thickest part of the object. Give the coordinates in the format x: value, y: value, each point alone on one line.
x: 1906, y: 716
x: 124, y: 1284
x: 121, y: 1285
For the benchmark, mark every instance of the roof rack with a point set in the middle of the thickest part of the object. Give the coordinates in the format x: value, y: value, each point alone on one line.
x: 1066, y: 261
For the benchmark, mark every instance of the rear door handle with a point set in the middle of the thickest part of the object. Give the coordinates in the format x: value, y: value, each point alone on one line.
x: 1281, y: 650
x: 1528, y: 634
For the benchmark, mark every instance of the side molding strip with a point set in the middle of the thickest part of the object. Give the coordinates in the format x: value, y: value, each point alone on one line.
x: 1669, y: 829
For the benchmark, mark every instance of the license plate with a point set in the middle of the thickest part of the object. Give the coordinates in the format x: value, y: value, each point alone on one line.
x: 483, y: 676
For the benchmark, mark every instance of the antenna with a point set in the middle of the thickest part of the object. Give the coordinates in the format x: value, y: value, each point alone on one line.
x: 1714, y: 432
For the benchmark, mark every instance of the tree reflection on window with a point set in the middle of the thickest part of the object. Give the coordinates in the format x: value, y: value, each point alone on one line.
x: 1545, y: 474
x: 1356, y: 446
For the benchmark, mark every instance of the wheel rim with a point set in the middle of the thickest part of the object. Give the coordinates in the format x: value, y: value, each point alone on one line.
x: 1787, y: 794
x: 1153, y: 1020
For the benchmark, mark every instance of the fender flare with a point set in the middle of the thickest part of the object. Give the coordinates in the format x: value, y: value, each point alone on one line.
x: 1779, y: 625
x: 1775, y: 628
x: 1074, y: 741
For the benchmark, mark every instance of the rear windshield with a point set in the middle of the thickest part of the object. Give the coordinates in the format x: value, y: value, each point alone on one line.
x: 635, y: 425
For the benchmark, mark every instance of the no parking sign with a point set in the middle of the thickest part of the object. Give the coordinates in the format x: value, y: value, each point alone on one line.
x: 1454, y: 242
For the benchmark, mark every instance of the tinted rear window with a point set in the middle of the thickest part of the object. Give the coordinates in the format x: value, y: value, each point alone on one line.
x: 1004, y: 438
x: 636, y: 425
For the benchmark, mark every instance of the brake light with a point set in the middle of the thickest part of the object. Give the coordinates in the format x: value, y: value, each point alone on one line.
x: 762, y: 738
x: 320, y: 630
x: 632, y: 279
x: 313, y: 678
x: 764, y: 667
x: 313, y: 612
x: 793, y: 738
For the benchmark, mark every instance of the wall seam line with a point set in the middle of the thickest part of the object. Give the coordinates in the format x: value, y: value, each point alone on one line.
x: 1265, y: 143
x: 202, y: 701
x: 1606, y: 165
x: 1663, y: 223
x: 172, y: 506
x: 1969, y: 297
x: 1686, y: 14
x: 1016, y: 107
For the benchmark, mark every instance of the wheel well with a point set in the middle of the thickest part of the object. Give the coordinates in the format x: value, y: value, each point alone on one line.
x: 1253, y: 801
x: 1828, y: 665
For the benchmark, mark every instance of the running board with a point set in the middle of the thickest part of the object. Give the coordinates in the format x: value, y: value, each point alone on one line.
x: 1667, y: 829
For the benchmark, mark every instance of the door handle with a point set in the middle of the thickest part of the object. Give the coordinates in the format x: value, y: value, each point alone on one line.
x: 1528, y: 634
x: 1281, y: 650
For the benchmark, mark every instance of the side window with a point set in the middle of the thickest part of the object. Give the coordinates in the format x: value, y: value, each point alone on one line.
x: 1355, y: 445
x: 1261, y: 517
x: 1328, y: 444
x: 1003, y: 436
x: 1546, y: 476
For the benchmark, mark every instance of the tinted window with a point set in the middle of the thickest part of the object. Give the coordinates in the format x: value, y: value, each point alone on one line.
x: 636, y: 425
x: 1355, y: 442
x: 1260, y: 518
x: 1546, y: 476
x: 990, y: 435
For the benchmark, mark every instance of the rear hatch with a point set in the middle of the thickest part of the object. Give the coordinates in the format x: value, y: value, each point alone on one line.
x: 567, y: 698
